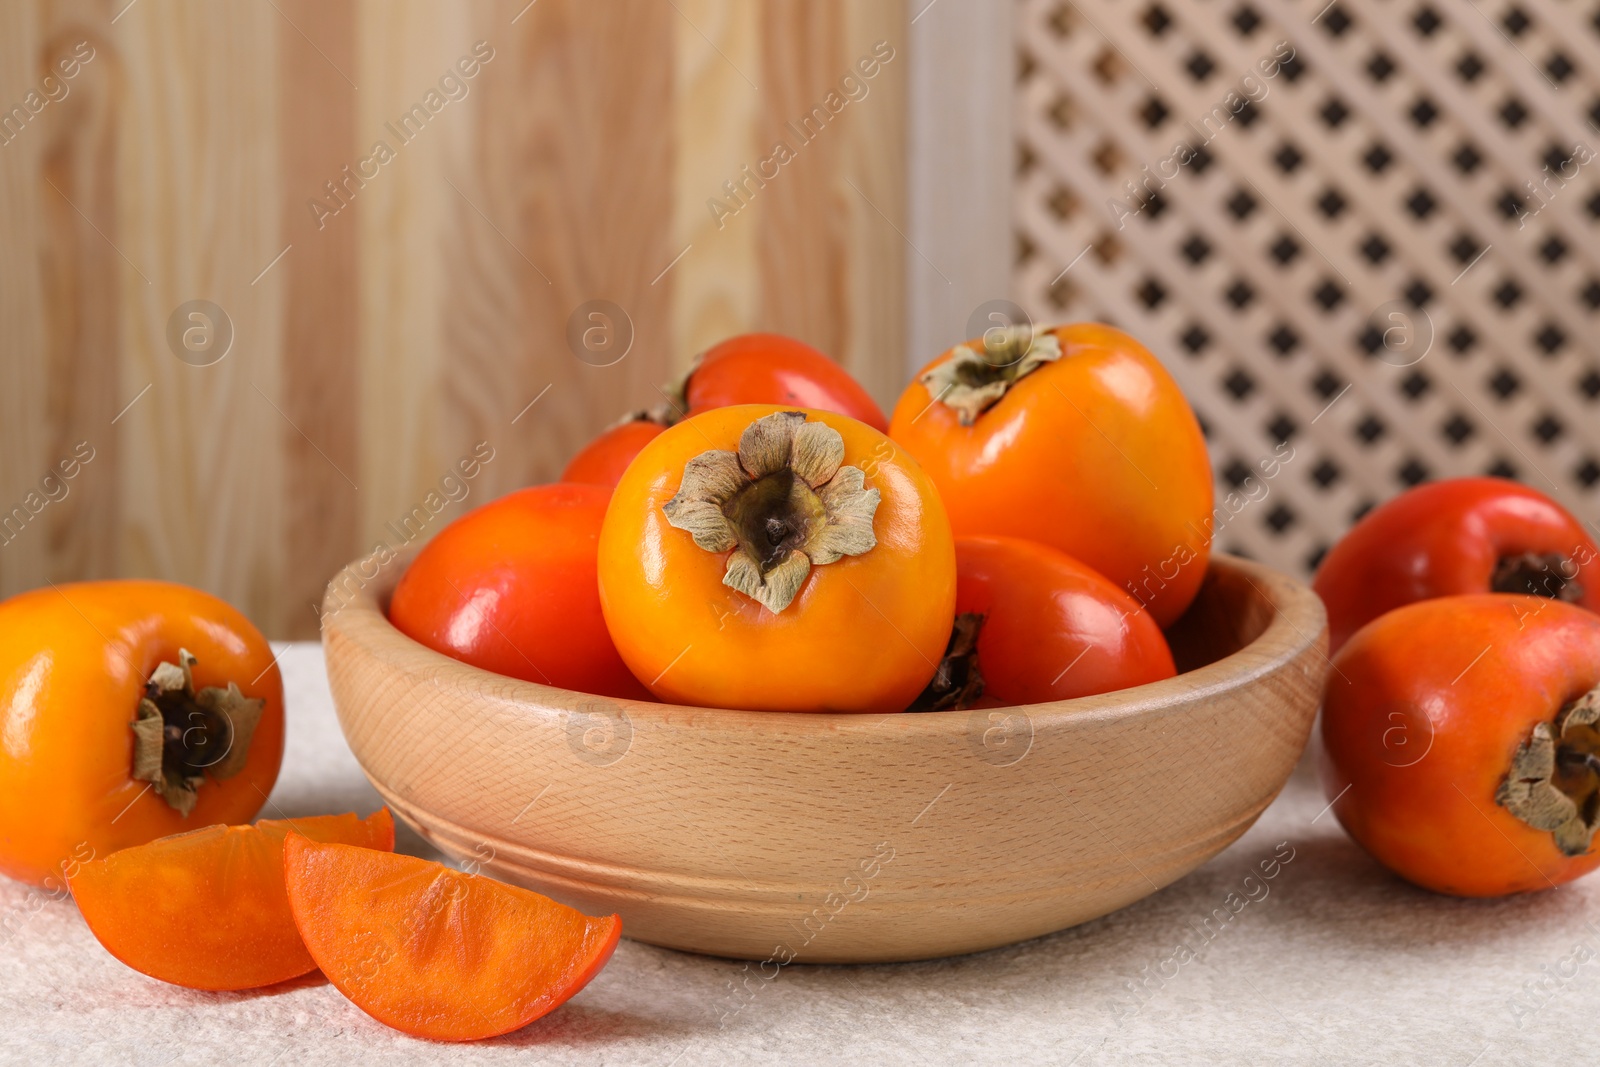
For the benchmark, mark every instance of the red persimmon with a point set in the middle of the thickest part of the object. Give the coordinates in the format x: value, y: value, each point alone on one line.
x: 1052, y: 628
x: 769, y: 368
x: 1460, y: 742
x: 512, y: 587
x: 1465, y: 535
x: 602, y: 461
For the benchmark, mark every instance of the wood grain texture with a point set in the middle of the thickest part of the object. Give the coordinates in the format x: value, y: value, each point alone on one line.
x: 423, y: 307
x: 839, y: 838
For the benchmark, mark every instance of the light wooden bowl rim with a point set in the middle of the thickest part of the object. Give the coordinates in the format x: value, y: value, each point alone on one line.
x: 1298, y: 622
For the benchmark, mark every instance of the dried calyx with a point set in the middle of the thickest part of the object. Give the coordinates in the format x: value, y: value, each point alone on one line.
x: 1554, y: 781
x: 780, y: 505
x: 1538, y: 574
x: 181, y: 736
x: 957, y: 683
x: 973, y: 380
x: 663, y: 414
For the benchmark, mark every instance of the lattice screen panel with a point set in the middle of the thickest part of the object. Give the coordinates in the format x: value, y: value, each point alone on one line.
x: 1353, y: 260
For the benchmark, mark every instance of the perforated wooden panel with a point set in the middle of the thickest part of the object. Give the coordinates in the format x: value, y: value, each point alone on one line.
x: 1378, y: 252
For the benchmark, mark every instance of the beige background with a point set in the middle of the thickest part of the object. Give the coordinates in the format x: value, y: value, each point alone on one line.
x: 372, y: 354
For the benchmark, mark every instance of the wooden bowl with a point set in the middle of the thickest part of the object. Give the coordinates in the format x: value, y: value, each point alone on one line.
x: 838, y: 838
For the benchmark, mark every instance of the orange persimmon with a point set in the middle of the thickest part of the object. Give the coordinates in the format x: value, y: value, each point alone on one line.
x: 772, y: 559
x: 207, y: 909
x: 1460, y: 742
x: 769, y: 368
x: 129, y: 710
x: 1075, y: 437
x: 1048, y: 627
x: 436, y: 952
x: 602, y: 460
x: 510, y: 587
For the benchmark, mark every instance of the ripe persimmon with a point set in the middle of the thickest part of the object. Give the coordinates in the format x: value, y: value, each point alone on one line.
x: 1075, y: 437
x: 1464, y: 535
x: 437, y: 952
x: 510, y: 587
x: 769, y: 368
x: 207, y: 909
x: 130, y: 710
x: 1461, y: 742
x: 772, y: 559
x: 602, y: 460
x: 1033, y: 624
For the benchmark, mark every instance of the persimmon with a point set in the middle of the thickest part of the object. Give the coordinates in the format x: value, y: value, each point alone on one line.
x: 207, y: 909
x: 1033, y: 624
x: 1075, y: 437
x: 1462, y: 742
x: 436, y: 952
x: 1464, y: 535
x: 769, y: 368
x: 129, y: 710
x: 772, y: 559
x: 602, y: 460
x: 510, y: 587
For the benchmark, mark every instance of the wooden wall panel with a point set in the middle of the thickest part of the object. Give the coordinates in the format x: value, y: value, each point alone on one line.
x: 422, y: 308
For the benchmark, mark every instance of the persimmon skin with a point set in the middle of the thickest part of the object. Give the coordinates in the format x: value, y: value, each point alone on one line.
x: 769, y: 368
x: 1097, y: 454
x: 510, y: 587
x: 1424, y: 708
x: 1053, y: 628
x: 74, y: 660
x: 602, y: 460
x: 1444, y: 539
x: 865, y: 632
x: 207, y: 909
x: 435, y: 952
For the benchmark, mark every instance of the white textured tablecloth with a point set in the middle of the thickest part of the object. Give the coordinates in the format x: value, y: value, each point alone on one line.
x: 1333, y: 961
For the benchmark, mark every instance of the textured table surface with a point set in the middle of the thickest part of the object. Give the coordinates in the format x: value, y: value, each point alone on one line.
x: 1331, y: 961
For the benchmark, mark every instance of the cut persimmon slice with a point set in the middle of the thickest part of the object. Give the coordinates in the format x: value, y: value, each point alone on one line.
x: 436, y: 952
x: 207, y: 909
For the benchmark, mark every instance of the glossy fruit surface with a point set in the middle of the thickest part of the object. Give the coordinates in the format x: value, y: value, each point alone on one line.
x: 207, y: 909
x: 436, y: 952
x: 75, y: 661
x: 769, y: 368
x: 1465, y: 535
x: 869, y: 616
x: 1053, y: 628
x: 510, y: 587
x: 602, y: 461
x: 1427, y: 709
x: 1093, y: 451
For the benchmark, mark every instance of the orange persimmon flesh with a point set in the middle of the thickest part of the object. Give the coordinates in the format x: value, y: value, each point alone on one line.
x: 207, y: 909
x: 433, y: 951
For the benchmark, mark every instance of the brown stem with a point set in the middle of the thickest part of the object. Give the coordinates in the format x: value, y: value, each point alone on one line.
x: 1538, y: 574
x: 182, y: 737
x: 957, y: 683
x: 1554, y: 780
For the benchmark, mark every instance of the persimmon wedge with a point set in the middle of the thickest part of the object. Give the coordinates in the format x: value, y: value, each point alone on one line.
x: 207, y: 909
x: 436, y: 952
